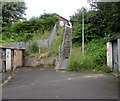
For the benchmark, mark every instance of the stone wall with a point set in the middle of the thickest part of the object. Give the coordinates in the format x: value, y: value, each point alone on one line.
x: 36, y: 61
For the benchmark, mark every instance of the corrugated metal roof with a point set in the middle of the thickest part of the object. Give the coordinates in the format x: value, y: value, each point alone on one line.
x: 114, y: 37
x: 2, y: 47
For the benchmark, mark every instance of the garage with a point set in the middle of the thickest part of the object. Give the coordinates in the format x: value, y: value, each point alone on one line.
x: 10, y: 58
x: 113, y: 52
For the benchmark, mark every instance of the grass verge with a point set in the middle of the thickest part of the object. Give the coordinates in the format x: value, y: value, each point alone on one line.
x: 94, y: 59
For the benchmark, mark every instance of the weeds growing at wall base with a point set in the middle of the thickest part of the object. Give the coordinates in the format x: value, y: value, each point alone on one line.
x: 94, y: 59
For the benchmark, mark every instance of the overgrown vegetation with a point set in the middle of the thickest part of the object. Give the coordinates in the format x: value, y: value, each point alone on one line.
x: 34, y: 50
x: 11, y: 12
x: 57, y: 42
x: 33, y: 29
x: 94, y: 59
x: 101, y: 22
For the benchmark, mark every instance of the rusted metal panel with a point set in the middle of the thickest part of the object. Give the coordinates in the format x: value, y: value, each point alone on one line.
x: 18, y: 58
x: 8, y: 60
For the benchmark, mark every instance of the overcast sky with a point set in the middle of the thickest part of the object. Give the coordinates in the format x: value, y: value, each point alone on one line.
x: 64, y: 8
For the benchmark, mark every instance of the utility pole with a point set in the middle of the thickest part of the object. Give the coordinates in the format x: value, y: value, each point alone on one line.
x: 83, y: 31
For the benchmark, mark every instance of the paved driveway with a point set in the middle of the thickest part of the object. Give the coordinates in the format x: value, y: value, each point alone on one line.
x: 44, y: 83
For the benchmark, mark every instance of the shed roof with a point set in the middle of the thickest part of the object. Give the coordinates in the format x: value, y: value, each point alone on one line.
x: 114, y: 37
x: 61, y: 17
x: 2, y: 47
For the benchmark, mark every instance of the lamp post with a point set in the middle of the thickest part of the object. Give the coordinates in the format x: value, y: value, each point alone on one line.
x: 83, y: 9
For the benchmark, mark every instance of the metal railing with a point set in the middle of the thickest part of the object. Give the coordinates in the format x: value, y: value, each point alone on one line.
x: 60, y: 56
x: 52, y: 36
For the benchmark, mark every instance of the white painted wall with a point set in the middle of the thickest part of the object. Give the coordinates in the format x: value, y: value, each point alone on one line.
x: 61, y: 23
x: 109, y: 54
x: 8, y: 59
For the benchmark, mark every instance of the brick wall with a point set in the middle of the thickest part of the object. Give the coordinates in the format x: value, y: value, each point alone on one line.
x: 65, y: 21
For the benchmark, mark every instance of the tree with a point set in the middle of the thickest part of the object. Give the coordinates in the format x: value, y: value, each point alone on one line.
x: 109, y: 16
x: 26, y: 30
x: 40, y: 24
x: 103, y: 19
x: 76, y: 20
x: 12, y: 12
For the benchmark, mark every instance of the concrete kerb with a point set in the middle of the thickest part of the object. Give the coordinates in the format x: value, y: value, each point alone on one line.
x: 7, y: 79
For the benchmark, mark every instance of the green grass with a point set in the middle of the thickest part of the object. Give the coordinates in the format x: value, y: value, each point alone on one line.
x: 79, y: 63
x: 94, y: 59
x: 25, y: 37
x: 56, y: 42
x: 42, y: 36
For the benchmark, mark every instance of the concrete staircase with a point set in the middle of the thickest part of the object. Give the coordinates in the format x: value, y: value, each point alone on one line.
x: 64, y: 50
x: 67, y: 43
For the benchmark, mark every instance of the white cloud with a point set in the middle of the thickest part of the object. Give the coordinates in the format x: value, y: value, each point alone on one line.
x: 64, y: 8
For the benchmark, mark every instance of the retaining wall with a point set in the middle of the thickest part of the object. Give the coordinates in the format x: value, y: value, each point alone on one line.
x: 36, y: 61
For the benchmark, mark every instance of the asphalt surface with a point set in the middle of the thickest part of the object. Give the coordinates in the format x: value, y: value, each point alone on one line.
x: 44, y: 83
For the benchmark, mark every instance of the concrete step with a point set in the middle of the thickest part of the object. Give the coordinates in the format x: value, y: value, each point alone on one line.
x: 64, y: 64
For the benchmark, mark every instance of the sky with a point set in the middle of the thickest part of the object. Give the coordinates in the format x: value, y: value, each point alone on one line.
x: 65, y: 8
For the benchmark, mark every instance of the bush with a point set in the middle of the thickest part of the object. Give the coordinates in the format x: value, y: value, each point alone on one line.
x: 97, y: 49
x: 80, y: 63
x: 43, y: 49
x: 94, y: 59
x: 105, y: 69
x: 42, y: 23
x: 16, y: 37
x: 33, y: 48
x: 29, y: 29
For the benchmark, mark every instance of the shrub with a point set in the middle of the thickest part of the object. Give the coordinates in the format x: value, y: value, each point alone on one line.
x: 97, y: 49
x: 94, y: 59
x: 42, y: 23
x: 43, y: 49
x: 33, y: 48
x: 105, y: 69
x: 80, y: 63
x: 29, y: 29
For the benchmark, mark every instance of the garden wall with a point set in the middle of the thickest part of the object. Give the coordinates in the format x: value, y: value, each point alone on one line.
x: 39, y: 61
